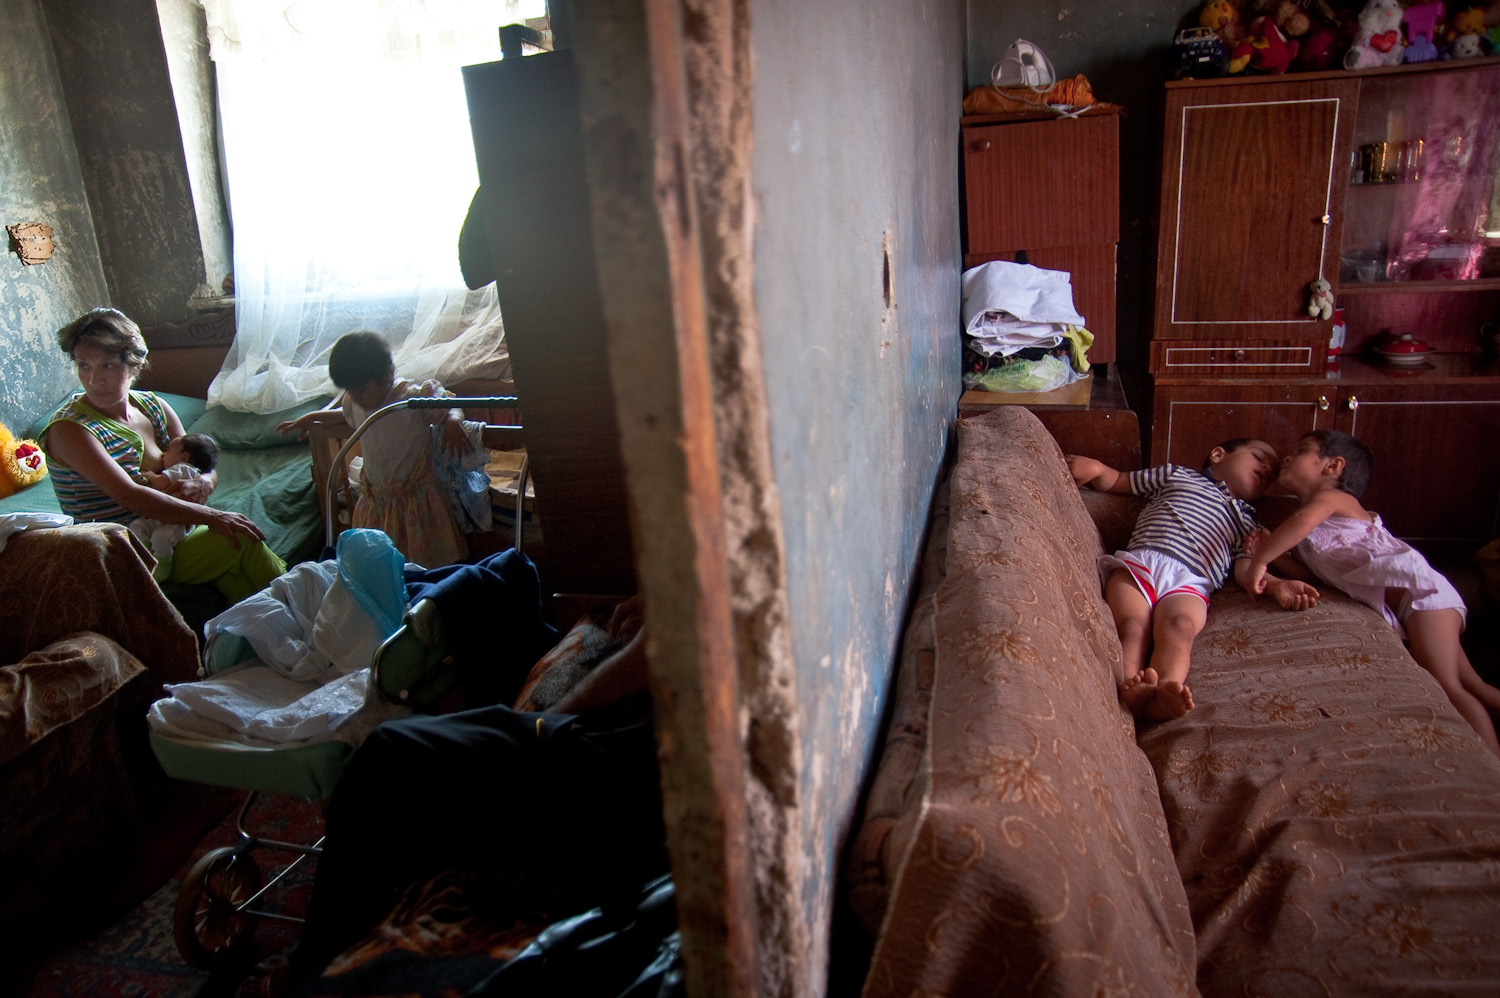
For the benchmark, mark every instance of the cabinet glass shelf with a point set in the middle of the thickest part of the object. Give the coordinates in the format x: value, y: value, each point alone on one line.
x: 1418, y: 287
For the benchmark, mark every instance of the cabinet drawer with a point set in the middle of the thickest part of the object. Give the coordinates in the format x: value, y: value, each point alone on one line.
x: 1200, y: 358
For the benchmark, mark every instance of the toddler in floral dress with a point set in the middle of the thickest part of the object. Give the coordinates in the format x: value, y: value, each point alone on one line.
x: 399, y: 489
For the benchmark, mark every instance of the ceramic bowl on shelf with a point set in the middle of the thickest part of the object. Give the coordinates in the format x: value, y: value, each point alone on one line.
x: 1403, y: 351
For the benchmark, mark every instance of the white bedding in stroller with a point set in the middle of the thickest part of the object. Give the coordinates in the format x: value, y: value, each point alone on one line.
x: 308, y: 677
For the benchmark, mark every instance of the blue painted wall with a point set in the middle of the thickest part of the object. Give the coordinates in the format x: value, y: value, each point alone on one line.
x: 40, y: 181
x: 857, y: 290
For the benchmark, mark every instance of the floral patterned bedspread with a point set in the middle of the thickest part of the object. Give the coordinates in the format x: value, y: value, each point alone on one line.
x: 1332, y: 825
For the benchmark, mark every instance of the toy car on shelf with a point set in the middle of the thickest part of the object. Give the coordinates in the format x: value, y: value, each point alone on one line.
x: 1200, y: 54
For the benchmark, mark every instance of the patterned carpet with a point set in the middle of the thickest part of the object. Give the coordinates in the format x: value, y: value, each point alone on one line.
x: 134, y: 955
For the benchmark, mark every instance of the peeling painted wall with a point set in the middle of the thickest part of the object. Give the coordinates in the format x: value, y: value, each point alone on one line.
x: 40, y: 181
x: 857, y: 287
x: 113, y: 66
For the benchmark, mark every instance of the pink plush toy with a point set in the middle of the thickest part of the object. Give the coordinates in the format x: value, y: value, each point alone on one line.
x: 1378, y: 41
x: 1421, y: 30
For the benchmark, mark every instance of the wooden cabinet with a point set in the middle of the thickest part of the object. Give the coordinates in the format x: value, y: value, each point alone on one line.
x: 1385, y: 183
x: 1433, y: 433
x: 1048, y: 189
x: 1251, y: 187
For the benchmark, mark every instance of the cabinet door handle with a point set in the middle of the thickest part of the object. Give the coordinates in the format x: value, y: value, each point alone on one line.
x: 1326, y: 219
x: 1352, y: 403
x: 982, y: 145
x: 1239, y: 355
x: 1323, y: 403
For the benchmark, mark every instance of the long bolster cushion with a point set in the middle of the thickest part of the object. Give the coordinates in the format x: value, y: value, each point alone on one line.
x: 1039, y: 861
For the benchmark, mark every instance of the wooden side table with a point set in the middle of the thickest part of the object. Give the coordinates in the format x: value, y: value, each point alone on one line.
x: 1088, y: 417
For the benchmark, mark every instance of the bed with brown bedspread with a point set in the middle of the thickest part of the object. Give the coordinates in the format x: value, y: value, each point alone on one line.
x: 1324, y: 823
x: 87, y: 643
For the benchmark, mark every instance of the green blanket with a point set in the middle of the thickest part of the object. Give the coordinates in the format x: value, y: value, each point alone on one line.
x: 270, y: 484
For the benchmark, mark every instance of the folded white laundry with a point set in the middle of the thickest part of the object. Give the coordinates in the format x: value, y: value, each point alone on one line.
x: 1004, y: 337
x: 1028, y: 293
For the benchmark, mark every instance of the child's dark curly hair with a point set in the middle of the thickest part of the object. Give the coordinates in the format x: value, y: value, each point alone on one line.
x: 358, y: 359
x: 1359, y: 463
x: 202, y: 451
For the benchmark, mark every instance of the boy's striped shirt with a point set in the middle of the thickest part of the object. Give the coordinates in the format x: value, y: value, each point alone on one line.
x: 1191, y: 517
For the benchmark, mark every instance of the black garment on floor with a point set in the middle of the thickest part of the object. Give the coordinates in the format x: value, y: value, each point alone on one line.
x: 573, y: 802
x: 625, y: 953
x: 490, y: 615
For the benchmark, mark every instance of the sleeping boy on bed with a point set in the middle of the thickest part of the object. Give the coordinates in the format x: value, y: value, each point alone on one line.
x: 188, y: 456
x: 1189, y: 537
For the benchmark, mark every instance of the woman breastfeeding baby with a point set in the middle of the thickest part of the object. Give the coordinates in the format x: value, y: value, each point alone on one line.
x: 106, y: 441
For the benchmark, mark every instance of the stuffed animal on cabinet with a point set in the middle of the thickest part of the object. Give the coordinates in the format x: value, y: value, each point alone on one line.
x: 1267, y: 49
x: 1223, y: 18
x: 1421, y: 22
x: 1319, y: 49
x: 1378, y: 41
x: 1465, y: 47
x: 1469, y: 21
x: 1320, y: 302
x: 22, y: 463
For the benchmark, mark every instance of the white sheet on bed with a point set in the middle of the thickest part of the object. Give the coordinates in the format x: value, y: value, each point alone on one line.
x: 258, y: 707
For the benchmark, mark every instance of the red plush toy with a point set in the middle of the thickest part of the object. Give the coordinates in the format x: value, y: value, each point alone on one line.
x: 1266, y: 49
x: 1319, y: 49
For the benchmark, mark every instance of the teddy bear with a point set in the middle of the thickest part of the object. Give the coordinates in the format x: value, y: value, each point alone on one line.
x: 22, y: 463
x: 1469, y: 21
x: 1320, y: 305
x: 1378, y: 40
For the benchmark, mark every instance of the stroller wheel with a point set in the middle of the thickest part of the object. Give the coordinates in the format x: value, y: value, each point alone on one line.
x: 209, y: 925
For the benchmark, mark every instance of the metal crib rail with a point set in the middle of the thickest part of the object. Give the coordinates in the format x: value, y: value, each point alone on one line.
x: 479, y: 402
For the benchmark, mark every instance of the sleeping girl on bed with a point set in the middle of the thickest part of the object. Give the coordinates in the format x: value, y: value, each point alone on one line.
x: 105, y: 440
x: 1347, y: 546
x: 399, y: 489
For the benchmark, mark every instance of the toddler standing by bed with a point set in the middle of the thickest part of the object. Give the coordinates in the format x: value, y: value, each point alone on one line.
x: 1186, y: 541
x: 189, y: 456
x: 399, y: 490
x: 1347, y: 546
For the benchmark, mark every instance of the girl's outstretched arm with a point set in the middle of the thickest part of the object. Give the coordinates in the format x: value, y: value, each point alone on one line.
x: 1285, y: 537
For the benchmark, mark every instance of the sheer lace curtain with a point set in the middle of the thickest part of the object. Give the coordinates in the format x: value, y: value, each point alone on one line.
x: 350, y: 166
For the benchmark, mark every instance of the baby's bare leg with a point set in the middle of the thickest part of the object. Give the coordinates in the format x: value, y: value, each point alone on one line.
x: 1177, y: 621
x: 1433, y: 635
x: 1132, y: 616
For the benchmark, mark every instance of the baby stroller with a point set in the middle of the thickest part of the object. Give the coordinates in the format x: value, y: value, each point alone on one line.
x: 221, y: 898
x: 223, y: 895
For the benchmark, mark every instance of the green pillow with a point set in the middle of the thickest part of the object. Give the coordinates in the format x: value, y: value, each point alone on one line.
x: 249, y: 430
x: 188, y: 410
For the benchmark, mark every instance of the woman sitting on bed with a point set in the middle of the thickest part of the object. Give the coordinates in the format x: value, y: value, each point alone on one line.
x: 104, y: 440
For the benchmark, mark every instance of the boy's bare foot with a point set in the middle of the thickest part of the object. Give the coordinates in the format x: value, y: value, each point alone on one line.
x: 1138, y: 690
x: 1172, y: 699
